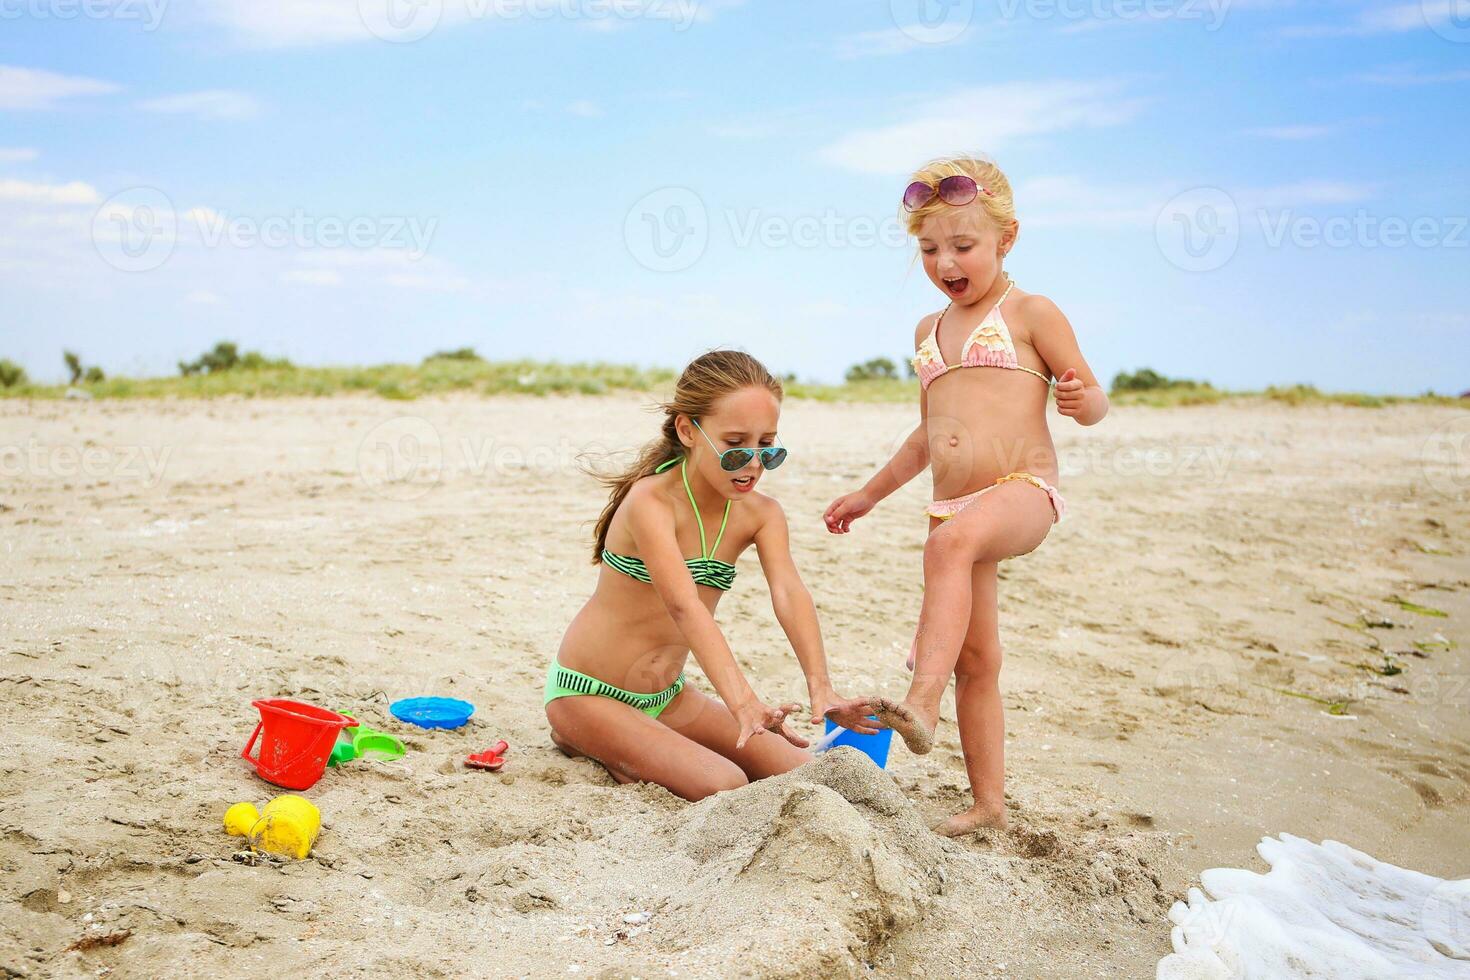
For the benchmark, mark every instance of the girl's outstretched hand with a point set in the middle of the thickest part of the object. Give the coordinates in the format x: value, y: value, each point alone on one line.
x: 755, y: 718
x: 846, y: 509
x: 852, y: 714
x: 828, y: 704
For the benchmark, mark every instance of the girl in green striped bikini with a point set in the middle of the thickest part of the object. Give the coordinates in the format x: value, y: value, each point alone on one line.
x: 616, y: 691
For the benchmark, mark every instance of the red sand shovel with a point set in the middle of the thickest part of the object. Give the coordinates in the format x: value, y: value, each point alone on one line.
x: 491, y: 759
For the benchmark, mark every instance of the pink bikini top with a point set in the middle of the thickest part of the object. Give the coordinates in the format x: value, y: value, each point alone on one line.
x: 989, y: 345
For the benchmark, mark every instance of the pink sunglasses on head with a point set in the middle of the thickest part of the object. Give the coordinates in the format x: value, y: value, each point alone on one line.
x: 956, y: 191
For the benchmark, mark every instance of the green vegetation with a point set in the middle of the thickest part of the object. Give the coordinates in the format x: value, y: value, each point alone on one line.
x: 80, y: 374
x: 12, y: 375
x: 226, y: 357
x: 1338, y: 708
x: 1414, y: 607
x: 1148, y: 387
x: 878, y: 369
x: 224, y: 371
x: 1147, y: 379
x: 461, y: 354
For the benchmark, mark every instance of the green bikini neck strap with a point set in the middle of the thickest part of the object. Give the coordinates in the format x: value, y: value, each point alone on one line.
x: 698, y: 517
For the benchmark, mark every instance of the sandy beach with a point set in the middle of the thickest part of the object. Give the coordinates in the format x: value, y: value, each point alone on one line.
x: 165, y: 563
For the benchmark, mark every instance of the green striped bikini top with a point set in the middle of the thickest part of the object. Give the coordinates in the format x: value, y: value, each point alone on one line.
x: 706, y: 569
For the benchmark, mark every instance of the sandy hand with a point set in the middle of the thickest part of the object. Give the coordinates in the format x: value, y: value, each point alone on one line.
x: 755, y: 718
x: 852, y: 714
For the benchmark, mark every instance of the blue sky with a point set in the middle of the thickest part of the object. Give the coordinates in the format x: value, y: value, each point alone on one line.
x: 1249, y: 192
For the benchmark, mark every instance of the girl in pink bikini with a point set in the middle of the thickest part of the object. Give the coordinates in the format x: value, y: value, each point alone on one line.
x: 984, y: 436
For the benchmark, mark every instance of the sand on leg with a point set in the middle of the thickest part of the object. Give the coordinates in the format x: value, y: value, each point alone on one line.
x: 980, y: 712
x: 635, y: 747
x: 1011, y: 520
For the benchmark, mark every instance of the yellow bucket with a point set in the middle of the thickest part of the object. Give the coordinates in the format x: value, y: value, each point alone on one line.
x: 288, y: 826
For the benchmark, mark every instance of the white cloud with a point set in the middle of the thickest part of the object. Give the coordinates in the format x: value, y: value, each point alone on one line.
x: 1292, y: 133
x: 27, y: 192
x: 586, y: 108
x: 284, y: 23
x: 395, y: 267
x: 1067, y: 200
x: 203, y: 297
x: 1303, y: 193
x: 1398, y: 18
x: 312, y: 277
x: 895, y: 40
x: 431, y: 281
x: 17, y: 154
x: 207, y: 105
x: 986, y: 116
x: 202, y: 217
x: 32, y: 88
x: 291, y: 23
x: 1410, y: 76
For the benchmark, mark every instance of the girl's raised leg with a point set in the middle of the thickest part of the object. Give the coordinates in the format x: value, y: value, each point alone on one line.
x: 1010, y: 520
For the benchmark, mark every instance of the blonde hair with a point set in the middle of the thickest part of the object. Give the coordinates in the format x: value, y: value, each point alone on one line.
x: 999, y: 205
x: 706, y: 380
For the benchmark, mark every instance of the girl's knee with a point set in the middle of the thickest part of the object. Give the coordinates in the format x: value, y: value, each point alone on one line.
x: 978, y: 663
x: 945, y: 552
x: 715, y: 777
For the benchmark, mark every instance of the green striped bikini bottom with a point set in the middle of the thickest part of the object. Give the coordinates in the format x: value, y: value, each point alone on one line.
x: 564, y: 683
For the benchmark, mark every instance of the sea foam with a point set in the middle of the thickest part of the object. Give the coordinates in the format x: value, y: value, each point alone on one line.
x: 1322, y: 911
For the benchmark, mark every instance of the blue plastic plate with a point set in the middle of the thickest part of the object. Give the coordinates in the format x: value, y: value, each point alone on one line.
x: 432, y: 712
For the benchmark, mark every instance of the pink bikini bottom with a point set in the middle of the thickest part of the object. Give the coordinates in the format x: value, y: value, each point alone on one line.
x: 945, y: 509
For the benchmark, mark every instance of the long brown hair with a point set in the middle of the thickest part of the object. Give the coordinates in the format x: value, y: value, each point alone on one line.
x: 706, y: 380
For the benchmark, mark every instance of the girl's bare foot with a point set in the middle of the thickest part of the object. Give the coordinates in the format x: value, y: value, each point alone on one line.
x: 916, y: 730
x: 978, y: 817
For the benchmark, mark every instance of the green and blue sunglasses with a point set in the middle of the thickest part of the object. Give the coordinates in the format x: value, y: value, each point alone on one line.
x: 737, y: 459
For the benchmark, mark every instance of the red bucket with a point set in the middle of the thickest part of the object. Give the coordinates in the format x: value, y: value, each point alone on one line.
x: 295, y: 741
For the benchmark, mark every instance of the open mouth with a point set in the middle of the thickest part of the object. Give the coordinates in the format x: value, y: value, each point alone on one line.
x: 744, y: 483
x: 957, y: 286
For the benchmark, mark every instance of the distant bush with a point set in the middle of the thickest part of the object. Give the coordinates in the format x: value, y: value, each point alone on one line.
x: 1304, y: 394
x: 80, y: 373
x: 1147, y: 379
x: 462, y: 354
x: 878, y: 369
x: 11, y: 374
x: 226, y: 356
